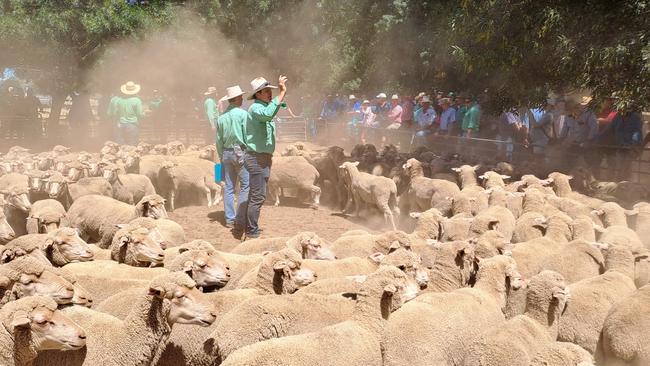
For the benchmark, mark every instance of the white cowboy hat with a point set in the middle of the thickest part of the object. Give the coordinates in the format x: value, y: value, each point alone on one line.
x: 130, y: 88
x: 381, y: 95
x: 425, y: 99
x: 258, y: 84
x: 232, y: 92
x: 366, y: 102
x: 394, y: 97
x: 352, y: 97
x: 211, y: 90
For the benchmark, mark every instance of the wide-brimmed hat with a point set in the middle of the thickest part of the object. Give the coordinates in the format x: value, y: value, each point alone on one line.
x: 394, y: 97
x: 585, y: 101
x: 232, y: 92
x: 425, y: 99
x: 381, y: 95
x: 258, y: 84
x: 130, y: 88
x: 352, y: 97
x: 366, y: 102
x: 211, y: 90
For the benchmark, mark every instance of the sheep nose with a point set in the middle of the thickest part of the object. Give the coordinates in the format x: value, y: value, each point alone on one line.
x: 82, y: 335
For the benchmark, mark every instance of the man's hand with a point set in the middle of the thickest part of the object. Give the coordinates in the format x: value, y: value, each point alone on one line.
x: 282, y: 83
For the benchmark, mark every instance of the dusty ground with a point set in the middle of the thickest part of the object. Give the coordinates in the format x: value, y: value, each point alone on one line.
x: 208, y: 223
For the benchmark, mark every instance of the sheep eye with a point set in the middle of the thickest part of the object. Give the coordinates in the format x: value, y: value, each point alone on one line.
x: 402, y: 267
x: 41, y: 322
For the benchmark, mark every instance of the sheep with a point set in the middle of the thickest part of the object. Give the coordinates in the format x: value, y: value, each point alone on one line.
x: 96, y: 216
x: 490, y: 244
x: 467, y: 175
x: 495, y: 217
x: 191, y: 177
x: 170, y: 233
x: 562, y: 188
x: 132, y: 162
x: 17, y: 206
x: 28, y: 276
x: 517, y: 341
x: 424, y: 193
x: 380, y: 192
x: 61, y: 189
x: 591, y: 299
x: 364, y: 245
x: 326, y: 166
x: 582, y: 228
x: 562, y: 354
x: 622, y: 341
x: 32, y: 325
x: 7, y: 233
x: 530, y: 225
x: 354, y: 342
x: 207, y: 152
x: 207, y: 268
x: 612, y: 214
x: 576, y: 260
x: 128, y: 188
x: 308, y: 244
x: 45, y: 216
x: 58, y: 248
x: 436, y: 328
x: 535, y: 201
x: 168, y: 299
x: 493, y: 179
x: 37, y: 184
x: 642, y: 213
x: 175, y: 148
x: 294, y: 172
x: 453, y: 267
x: 77, y: 170
x: 278, y: 273
x: 134, y: 246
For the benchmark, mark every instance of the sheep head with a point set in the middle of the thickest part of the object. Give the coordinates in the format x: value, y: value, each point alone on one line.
x: 33, y: 278
x: 64, y: 245
x: 206, y: 268
x: 160, y: 149
x: 413, y: 168
x: 313, y: 247
x: 152, y: 206
x: 390, y: 287
x: 47, y: 327
x: 17, y: 198
x: 110, y: 171
x: 548, y: 295
x: 175, y: 148
x: 7, y: 233
x: 56, y: 185
x: 410, y: 263
x: 187, y: 305
x: 138, y: 245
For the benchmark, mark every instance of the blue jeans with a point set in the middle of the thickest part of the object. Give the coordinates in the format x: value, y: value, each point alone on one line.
x: 128, y: 133
x: 258, y: 166
x: 233, y: 168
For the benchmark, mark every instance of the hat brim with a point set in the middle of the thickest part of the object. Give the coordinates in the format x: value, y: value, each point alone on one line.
x: 228, y: 97
x: 210, y: 92
x: 132, y: 92
x: 252, y: 96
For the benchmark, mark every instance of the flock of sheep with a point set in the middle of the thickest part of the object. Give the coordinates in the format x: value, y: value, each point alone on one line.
x: 530, y: 272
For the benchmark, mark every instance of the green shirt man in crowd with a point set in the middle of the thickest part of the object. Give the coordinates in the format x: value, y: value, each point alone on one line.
x: 127, y: 111
x: 231, y: 142
x: 471, y: 119
x: 260, y: 145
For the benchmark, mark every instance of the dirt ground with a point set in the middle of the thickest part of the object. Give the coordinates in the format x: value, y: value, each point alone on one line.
x: 208, y: 223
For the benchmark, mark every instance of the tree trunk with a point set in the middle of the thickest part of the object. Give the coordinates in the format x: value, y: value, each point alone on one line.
x: 53, y: 128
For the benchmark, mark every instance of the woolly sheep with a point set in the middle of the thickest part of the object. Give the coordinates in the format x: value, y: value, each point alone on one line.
x: 61, y: 189
x: 308, y: 244
x: 168, y: 299
x: 32, y: 325
x: 190, y: 178
x: 58, y: 248
x: 591, y: 299
x: 436, y: 328
x: 28, y: 276
x: 493, y: 179
x: 453, y: 267
x: 134, y: 246
x: 364, y: 245
x: 576, y: 260
x: 612, y: 214
x: 625, y: 331
x: 562, y: 354
x: 167, y: 232
x: 529, y: 226
x: 424, y: 193
x: 128, y: 188
x: 517, y: 341
x: 380, y: 192
x: 467, y: 175
x: 354, y: 342
x: 495, y: 217
x: 278, y: 273
x: 96, y: 216
x: 293, y: 172
x: 208, y: 269
x: 7, y: 233
x: 45, y: 216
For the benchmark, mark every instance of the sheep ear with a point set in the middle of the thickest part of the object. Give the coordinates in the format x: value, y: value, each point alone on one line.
x: 7, y: 256
x: 632, y: 212
x: 5, y: 282
x: 475, y: 167
x: 482, y: 176
x: 394, y: 245
x: 505, y: 176
x: 157, y: 291
x: 457, y: 170
x: 279, y: 266
x: 49, y: 242
x: 598, y: 212
x: 187, y: 266
x: 124, y: 240
x: 390, y: 289
x: 376, y: 257
x: 569, y: 177
x: 350, y: 295
x: 20, y: 319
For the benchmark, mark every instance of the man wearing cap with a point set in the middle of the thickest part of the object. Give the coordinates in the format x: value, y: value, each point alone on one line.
x: 381, y: 108
x: 211, y: 109
x: 424, y: 117
x: 260, y: 145
x: 447, y: 118
x: 231, y: 132
x: 395, y: 114
x: 127, y: 110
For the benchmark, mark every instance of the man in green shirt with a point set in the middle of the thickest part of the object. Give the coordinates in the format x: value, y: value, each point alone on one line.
x: 260, y: 145
x: 471, y: 120
x: 127, y: 110
x: 231, y: 132
x: 211, y: 111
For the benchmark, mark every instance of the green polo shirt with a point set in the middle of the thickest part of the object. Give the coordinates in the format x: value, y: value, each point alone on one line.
x: 231, y: 129
x: 128, y: 109
x: 471, y: 120
x: 260, y: 129
x: 211, y: 110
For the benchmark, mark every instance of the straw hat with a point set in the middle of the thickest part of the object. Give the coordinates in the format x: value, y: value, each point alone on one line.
x: 366, y: 102
x: 425, y: 99
x: 352, y: 97
x: 585, y: 101
x: 394, y: 97
x: 232, y: 92
x: 130, y: 88
x: 258, y: 84
x: 211, y: 90
x: 381, y: 95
